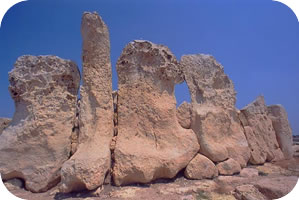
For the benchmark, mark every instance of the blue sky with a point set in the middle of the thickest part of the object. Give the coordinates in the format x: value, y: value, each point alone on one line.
x: 257, y: 41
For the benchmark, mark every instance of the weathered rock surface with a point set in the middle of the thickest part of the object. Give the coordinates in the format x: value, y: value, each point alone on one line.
x: 37, y: 141
x: 276, y: 187
x: 150, y: 144
x: 248, y: 192
x: 282, y: 128
x: 201, y: 167
x: 228, y: 167
x: 88, y: 167
x: 249, y: 172
x: 184, y: 115
x: 214, y: 117
x: 259, y: 132
x: 4, y: 122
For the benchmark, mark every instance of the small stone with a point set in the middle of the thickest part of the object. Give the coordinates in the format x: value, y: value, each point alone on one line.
x: 184, y: 115
x: 248, y: 192
x: 201, y: 167
x: 229, y: 167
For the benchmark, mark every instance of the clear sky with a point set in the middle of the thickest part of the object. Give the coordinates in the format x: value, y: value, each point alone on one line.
x: 257, y: 41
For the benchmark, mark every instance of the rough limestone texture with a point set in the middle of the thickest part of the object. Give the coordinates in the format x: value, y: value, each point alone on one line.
x: 214, y: 116
x: 4, y: 122
x: 184, y: 115
x: 282, y: 128
x: 150, y: 144
x: 88, y: 167
x: 228, y: 167
x: 201, y: 167
x: 37, y: 141
x: 249, y: 172
x: 259, y: 132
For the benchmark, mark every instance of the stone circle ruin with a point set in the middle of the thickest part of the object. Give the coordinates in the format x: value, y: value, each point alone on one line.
x: 136, y: 134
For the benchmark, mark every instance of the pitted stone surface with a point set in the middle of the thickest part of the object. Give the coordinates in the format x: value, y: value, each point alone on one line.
x: 215, y: 120
x: 88, y: 167
x: 260, y: 132
x: 37, y: 141
x: 150, y: 144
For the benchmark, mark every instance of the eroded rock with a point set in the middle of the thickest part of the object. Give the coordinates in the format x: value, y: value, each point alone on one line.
x: 150, y: 144
x: 248, y: 192
x: 214, y: 116
x: 37, y: 141
x: 4, y: 122
x: 88, y: 167
x: 184, y: 115
x: 282, y: 128
x: 260, y: 133
x: 201, y: 167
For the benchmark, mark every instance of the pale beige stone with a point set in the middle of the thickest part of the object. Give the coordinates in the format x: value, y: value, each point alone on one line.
x: 282, y: 128
x: 215, y: 120
x: 88, y: 167
x: 37, y: 141
x: 4, y: 122
x: 184, y: 115
x: 201, y: 167
x: 228, y: 167
x: 150, y: 144
x: 260, y: 134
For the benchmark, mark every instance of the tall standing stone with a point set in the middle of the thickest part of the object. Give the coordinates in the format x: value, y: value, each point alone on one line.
x: 88, y: 167
x: 260, y: 132
x: 37, y: 141
x: 282, y: 128
x: 214, y: 116
x: 150, y: 143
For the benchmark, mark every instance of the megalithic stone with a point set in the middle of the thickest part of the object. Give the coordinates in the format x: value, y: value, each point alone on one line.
x: 88, y: 167
x: 37, y: 141
x: 150, y: 144
x: 214, y: 116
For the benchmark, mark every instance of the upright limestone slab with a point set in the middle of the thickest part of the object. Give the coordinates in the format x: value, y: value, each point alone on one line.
x: 37, y: 141
x: 150, y: 144
x: 282, y: 128
x: 260, y: 132
x: 88, y: 166
x: 214, y: 116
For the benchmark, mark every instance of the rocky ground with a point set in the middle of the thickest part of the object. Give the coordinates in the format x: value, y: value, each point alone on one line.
x: 268, y: 181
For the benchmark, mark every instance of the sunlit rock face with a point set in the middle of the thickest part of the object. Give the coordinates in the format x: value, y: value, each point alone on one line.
x: 37, y: 141
x: 151, y: 144
x: 214, y: 116
x: 91, y: 162
x: 260, y: 132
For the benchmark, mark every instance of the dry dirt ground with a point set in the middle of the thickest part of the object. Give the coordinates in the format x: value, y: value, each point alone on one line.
x: 274, y: 181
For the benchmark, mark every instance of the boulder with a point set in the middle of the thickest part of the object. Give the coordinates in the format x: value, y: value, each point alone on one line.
x: 260, y: 133
x: 91, y: 162
x: 228, y: 167
x: 4, y: 122
x: 201, y: 167
x: 215, y: 120
x: 37, y: 141
x: 282, y: 128
x: 183, y: 114
x: 150, y: 144
x: 248, y: 192
x: 276, y: 187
